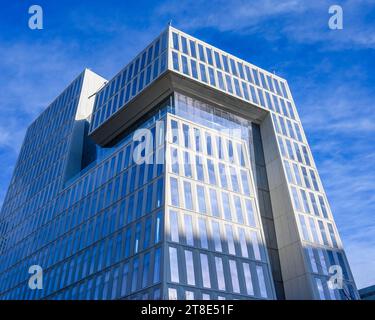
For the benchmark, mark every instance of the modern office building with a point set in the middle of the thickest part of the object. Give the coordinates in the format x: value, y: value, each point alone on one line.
x: 186, y: 176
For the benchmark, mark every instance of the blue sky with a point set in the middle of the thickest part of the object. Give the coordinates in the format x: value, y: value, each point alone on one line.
x: 330, y: 72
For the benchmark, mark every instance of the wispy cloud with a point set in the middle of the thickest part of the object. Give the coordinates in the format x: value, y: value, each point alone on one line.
x: 299, y: 21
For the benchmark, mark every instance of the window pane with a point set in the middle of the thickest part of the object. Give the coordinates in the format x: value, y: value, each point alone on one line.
x: 173, y: 261
x: 189, y: 267
x: 188, y: 230
x: 173, y: 225
x: 234, y: 276
x: 262, y: 283
x: 205, y: 271
x: 220, y: 273
x: 230, y: 239
x: 188, y: 195
x: 201, y: 199
x: 248, y: 279
x: 203, y: 233
x: 174, y: 192
x: 217, y: 235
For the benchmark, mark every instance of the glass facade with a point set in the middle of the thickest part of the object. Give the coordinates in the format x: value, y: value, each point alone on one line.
x: 196, y: 218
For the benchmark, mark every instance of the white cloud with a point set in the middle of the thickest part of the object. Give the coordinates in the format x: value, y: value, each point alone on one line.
x: 300, y: 21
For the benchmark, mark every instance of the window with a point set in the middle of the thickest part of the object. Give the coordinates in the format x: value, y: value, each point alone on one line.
x: 238, y: 209
x: 184, y: 45
x: 185, y: 67
x: 313, y: 264
x: 298, y: 152
x: 188, y: 196
x: 234, y: 179
x: 209, y: 56
x: 262, y: 283
x: 199, y: 168
x: 305, y: 203
x: 147, y: 236
x: 156, y: 277
x: 226, y: 206
x: 145, y: 272
x: 313, y: 202
x: 305, y: 177
x: 203, y: 71
x: 203, y: 233
x: 299, y: 136
x: 205, y: 271
x: 314, y: 181
x: 288, y: 172
x: 201, y: 53
x: 306, y: 155
x: 189, y: 267
x: 245, y: 90
x: 189, y: 295
x: 255, y: 244
x: 186, y: 135
x: 159, y: 193
x: 216, y: 236
x: 230, y: 239
x: 209, y: 144
x: 172, y: 294
x: 225, y: 63
x: 245, y: 182
x: 297, y: 174
x: 290, y: 149
x: 223, y: 175
x: 158, y: 226
x: 319, y: 286
x: 323, y: 232
x: 313, y: 230
x: 135, y: 274
x: 124, y: 283
x: 175, y: 41
x: 187, y: 164
x: 250, y: 213
x: 173, y: 225
x: 137, y: 237
x: 211, y: 171
x: 174, y: 192
x: 149, y: 198
x: 305, y: 233
x: 221, y: 80
x: 194, y: 71
x: 188, y: 225
x: 229, y: 83
x: 220, y: 273
x: 234, y: 276
x: 215, y: 211
x: 323, y: 206
x: 192, y: 48
x: 217, y: 60
x: 332, y: 234
x: 248, y: 279
x: 242, y: 240
x: 139, y: 205
x: 173, y: 261
x: 174, y: 126
x: 201, y: 199
x: 322, y: 261
x: 296, y: 201
x: 175, y: 61
x: 212, y: 76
